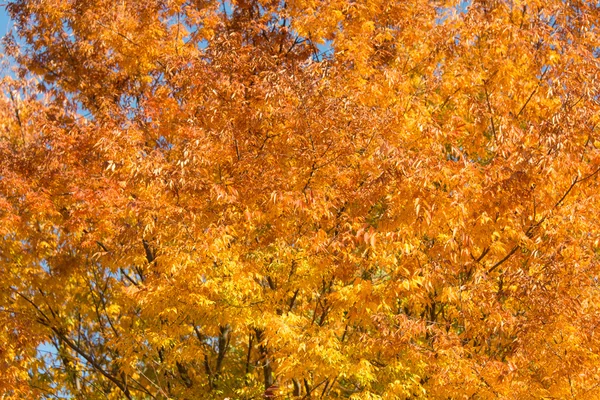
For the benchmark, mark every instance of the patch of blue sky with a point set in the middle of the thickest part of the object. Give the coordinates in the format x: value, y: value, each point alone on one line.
x: 325, y: 50
x: 5, y: 23
x: 443, y: 13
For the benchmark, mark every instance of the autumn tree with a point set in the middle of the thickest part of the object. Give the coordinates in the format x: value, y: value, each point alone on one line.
x: 300, y: 199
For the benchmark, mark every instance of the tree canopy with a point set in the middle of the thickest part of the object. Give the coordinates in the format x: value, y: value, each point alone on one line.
x: 293, y: 199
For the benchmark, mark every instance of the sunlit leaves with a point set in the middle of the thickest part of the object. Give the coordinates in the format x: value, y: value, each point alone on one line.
x: 323, y: 199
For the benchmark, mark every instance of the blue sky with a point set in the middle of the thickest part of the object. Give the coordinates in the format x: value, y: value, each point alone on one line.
x: 5, y: 23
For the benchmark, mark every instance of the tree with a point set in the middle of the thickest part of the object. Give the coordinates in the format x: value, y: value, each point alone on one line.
x: 300, y: 199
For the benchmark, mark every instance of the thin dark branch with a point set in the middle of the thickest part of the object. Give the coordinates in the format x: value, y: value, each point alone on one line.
x: 534, y: 91
x: 531, y: 228
x: 487, y: 99
x: 92, y: 362
x: 503, y: 260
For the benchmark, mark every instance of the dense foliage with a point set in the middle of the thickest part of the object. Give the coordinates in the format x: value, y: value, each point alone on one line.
x: 300, y: 199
